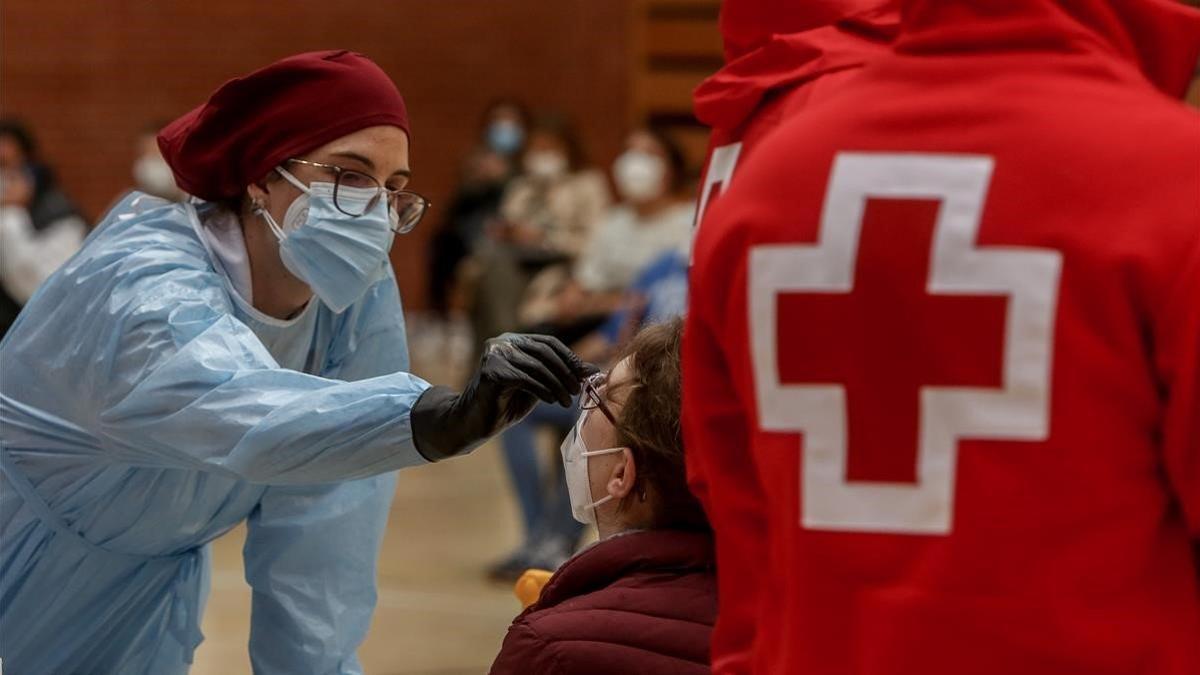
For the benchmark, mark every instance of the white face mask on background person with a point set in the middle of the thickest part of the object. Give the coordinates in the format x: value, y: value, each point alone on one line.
x: 575, y: 466
x: 639, y: 176
x: 545, y: 164
x: 153, y: 175
x: 337, y: 255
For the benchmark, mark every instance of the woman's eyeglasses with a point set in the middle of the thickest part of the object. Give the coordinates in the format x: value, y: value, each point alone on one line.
x: 593, y: 396
x: 408, y: 206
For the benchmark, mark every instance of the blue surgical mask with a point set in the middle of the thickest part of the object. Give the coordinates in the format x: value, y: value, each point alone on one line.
x: 337, y: 255
x: 505, y: 137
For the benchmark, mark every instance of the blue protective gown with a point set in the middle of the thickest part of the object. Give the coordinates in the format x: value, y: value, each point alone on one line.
x: 145, y: 409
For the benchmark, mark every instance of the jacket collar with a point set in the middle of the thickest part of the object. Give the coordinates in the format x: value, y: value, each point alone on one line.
x: 619, y: 556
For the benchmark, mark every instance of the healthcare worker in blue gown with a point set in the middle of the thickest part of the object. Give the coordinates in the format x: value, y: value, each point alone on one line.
x: 238, y: 358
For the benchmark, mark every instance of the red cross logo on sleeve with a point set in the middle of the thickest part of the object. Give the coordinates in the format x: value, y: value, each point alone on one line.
x: 717, y: 177
x: 881, y: 416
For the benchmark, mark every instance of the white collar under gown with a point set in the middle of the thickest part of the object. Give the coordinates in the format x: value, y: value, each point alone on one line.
x: 146, y: 408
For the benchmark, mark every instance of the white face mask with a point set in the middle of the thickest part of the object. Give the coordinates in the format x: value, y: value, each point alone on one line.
x: 153, y: 175
x: 639, y: 176
x: 575, y: 465
x: 545, y: 164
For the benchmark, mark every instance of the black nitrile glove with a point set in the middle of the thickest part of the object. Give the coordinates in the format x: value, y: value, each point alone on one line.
x: 515, y: 373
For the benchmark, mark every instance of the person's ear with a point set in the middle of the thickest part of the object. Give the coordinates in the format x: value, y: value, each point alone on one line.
x: 257, y: 195
x: 623, y: 476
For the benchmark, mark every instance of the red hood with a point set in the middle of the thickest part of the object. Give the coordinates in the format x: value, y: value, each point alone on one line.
x: 776, y: 44
x: 747, y: 25
x: 1162, y: 37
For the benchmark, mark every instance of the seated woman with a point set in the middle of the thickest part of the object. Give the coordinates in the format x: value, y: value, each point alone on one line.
x: 643, y: 599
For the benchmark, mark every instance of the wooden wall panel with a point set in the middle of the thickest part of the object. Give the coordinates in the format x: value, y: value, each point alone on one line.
x: 675, y: 44
x: 88, y: 76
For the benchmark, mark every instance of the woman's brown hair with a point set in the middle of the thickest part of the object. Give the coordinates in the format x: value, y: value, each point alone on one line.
x: 649, y: 425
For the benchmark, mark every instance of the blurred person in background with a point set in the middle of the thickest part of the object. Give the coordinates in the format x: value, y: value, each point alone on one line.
x: 475, y: 204
x: 658, y: 293
x: 238, y: 359
x: 942, y: 367
x: 643, y: 598
x: 151, y: 173
x: 651, y: 218
x: 40, y: 228
x: 547, y: 216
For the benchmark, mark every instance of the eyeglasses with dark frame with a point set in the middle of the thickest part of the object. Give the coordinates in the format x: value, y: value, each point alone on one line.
x: 593, y: 397
x: 409, y: 206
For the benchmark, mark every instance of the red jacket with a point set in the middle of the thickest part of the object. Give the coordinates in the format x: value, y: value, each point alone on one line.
x: 780, y: 56
x: 942, y: 363
x: 638, y: 603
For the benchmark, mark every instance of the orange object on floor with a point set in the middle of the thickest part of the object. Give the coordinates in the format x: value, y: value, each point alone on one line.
x: 529, y: 587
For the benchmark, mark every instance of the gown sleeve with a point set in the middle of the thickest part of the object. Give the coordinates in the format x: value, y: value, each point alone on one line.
x: 182, y: 383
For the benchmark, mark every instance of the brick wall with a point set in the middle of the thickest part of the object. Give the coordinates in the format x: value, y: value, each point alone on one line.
x: 88, y: 75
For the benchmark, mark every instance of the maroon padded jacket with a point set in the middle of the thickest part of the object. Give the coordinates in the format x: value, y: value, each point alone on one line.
x: 638, y: 603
